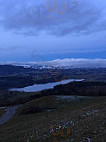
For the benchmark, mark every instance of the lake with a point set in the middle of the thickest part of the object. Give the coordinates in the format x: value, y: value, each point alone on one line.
x: 40, y: 87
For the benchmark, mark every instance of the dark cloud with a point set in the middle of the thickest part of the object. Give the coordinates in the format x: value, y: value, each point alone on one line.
x: 58, y: 17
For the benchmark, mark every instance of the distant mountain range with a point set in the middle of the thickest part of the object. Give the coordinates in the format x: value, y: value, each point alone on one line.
x: 64, y: 63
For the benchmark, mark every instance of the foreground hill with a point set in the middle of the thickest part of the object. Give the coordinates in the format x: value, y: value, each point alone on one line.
x: 84, y: 118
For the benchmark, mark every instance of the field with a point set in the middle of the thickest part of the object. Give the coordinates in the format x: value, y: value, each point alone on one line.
x: 76, y: 119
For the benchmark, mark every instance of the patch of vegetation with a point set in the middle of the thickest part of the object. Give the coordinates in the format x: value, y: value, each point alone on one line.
x: 2, y: 111
x: 74, y: 88
x: 82, y: 88
x: 9, y: 98
x: 85, y: 118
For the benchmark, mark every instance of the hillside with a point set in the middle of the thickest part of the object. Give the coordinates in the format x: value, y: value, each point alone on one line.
x: 84, y: 118
x: 18, y: 77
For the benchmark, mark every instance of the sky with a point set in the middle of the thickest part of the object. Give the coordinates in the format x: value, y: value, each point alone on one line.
x: 44, y: 30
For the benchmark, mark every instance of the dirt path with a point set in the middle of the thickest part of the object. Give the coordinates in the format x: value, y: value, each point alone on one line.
x: 8, y: 114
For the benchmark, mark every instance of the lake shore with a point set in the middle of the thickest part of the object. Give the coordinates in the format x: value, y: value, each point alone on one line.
x: 41, y: 87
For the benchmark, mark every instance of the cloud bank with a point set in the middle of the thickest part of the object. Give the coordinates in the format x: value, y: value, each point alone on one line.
x: 52, y: 16
x: 80, y: 63
x: 52, y: 29
x: 65, y: 63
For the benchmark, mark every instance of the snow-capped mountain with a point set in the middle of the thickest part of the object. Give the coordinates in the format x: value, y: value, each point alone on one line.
x: 64, y: 63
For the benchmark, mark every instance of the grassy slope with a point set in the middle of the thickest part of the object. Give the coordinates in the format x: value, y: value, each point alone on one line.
x: 36, y: 127
x: 14, y: 98
x: 8, y: 98
x: 2, y: 111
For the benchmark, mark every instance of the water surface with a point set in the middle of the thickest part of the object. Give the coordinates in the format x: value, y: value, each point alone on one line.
x: 40, y: 87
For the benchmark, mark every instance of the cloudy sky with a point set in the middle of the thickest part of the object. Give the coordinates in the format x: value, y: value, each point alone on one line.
x: 32, y: 30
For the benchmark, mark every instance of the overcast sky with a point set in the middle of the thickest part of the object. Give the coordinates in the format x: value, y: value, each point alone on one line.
x: 35, y: 30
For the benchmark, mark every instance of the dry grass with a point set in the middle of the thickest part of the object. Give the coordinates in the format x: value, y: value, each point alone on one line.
x: 2, y: 111
x: 85, y: 118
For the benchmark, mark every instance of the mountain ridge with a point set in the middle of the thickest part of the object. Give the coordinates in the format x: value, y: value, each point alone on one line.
x: 62, y: 63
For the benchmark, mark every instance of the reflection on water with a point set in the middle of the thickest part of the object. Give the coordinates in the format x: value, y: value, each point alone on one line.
x: 40, y: 87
